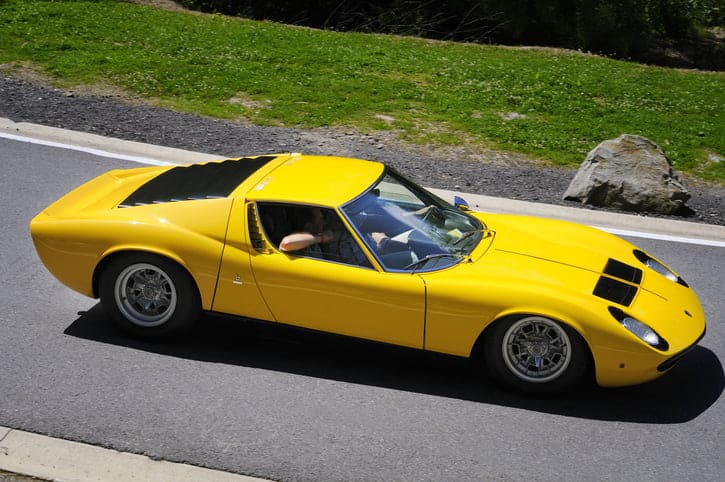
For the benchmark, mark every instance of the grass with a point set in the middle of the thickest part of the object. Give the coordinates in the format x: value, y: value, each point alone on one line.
x: 554, y: 105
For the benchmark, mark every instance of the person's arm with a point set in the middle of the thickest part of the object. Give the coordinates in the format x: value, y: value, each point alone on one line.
x: 380, y: 239
x: 297, y: 241
x: 384, y: 245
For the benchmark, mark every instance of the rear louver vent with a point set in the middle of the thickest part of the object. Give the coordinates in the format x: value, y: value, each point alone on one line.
x: 620, y: 292
x: 196, y: 181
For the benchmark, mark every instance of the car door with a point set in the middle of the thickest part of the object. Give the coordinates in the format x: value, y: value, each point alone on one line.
x: 324, y: 293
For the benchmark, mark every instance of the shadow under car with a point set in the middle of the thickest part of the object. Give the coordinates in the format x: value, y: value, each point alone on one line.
x: 683, y: 393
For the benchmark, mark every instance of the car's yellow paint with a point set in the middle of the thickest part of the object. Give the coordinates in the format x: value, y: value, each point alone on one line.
x: 193, y: 236
x: 237, y: 291
x: 526, y: 273
x: 522, y: 266
x: 387, y: 307
x: 335, y: 180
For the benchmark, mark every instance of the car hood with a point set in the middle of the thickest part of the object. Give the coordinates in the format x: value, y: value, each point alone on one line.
x: 560, y: 242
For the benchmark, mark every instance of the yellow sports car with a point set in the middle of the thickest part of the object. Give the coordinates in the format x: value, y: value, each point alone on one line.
x: 349, y: 246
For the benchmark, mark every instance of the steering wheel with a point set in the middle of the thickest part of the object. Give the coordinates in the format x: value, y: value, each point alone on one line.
x: 433, y: 215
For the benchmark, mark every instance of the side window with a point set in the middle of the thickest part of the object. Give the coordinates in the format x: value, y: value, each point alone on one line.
x: 277, y: 220
x: 338, y: 245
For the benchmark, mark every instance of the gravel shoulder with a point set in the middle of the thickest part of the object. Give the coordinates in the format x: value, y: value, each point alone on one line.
x: 491, y: 173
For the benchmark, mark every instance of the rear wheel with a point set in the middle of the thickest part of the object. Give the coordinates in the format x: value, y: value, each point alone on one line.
x: 535, y: 354
x: 148, y: 295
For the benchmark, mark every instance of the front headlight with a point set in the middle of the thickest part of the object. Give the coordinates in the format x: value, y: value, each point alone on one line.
x: 658, y: 267
x: 640, y: 330
x: 643, y: 332
x: 661, y: 269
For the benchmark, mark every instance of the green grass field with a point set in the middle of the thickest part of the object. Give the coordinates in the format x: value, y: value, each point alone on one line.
x: 553, y: 105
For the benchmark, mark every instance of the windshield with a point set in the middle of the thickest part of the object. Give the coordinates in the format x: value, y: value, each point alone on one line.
x: 410, y: 229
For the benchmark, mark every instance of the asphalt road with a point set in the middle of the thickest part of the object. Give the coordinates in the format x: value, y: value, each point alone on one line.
x: 284, y: 405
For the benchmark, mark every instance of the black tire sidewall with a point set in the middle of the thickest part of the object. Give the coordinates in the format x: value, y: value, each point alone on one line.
x: 188, y: 304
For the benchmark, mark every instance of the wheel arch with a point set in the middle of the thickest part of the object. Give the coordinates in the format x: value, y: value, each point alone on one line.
x: 121, y: 251
x: 574, y: 327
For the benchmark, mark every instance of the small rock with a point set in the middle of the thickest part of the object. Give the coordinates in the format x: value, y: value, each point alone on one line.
x: 507, y: 116
x: 388, y: 119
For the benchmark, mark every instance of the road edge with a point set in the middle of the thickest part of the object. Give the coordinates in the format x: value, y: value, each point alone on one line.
x: 49, y: 458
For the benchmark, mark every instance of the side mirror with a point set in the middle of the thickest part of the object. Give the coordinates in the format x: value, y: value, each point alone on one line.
x: 461, y: 203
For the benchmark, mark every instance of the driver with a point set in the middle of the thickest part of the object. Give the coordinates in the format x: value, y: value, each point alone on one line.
x: 324, y: 236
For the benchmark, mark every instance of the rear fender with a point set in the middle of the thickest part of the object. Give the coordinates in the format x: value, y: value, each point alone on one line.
x: 120, y: 251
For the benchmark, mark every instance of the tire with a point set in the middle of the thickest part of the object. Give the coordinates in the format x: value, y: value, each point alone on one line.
x: 535, y: 354
x: 148, y: 296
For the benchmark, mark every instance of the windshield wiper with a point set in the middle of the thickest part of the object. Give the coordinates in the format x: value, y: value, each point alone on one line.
x: 415, y: 264
x: 486, y: 232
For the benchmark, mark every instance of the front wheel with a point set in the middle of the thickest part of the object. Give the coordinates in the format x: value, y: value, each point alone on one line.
x: 148, y: 295
x: 535, y: 354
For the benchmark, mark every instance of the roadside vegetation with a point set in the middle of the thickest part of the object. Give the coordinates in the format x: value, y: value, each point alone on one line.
x: 555, y: 105
x: 675, y: 33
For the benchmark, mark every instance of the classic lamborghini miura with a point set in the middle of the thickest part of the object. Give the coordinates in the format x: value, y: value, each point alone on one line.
x: 351, y: 247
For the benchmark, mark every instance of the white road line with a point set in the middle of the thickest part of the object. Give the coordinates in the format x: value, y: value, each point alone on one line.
x: 88, y: 150
x: 156, y: 162
x: 662, y: 237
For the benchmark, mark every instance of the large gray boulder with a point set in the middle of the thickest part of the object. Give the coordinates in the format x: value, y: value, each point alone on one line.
x: 630, y: 173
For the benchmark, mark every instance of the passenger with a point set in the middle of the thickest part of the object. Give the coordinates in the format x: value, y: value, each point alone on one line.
x: 393, y: 233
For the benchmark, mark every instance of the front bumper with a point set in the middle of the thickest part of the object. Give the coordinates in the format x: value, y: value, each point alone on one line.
x: 618, y: 367
x: 672, y: 361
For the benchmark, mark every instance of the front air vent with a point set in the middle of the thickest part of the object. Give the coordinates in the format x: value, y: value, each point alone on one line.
x: 625, y: 272
x: 615, y: 291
